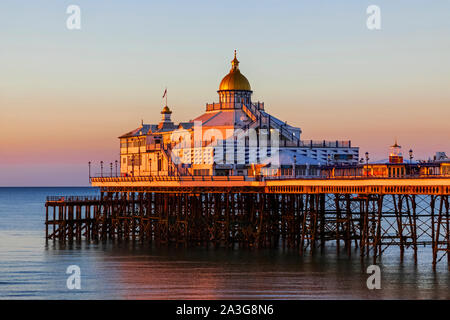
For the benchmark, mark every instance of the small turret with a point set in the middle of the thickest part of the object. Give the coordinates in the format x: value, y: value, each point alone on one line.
x: 395, y: 154
x: 166, y: 121
x: 166, y: 112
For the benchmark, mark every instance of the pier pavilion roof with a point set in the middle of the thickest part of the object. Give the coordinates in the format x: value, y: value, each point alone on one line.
x: 144, y: 129
x: 224, y: 118
x: 239, y: 114
x: 186, y: 125
x: 286, y: 158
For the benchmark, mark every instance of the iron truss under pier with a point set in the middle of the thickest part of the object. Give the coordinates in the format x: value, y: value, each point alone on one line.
x: 303, y: 214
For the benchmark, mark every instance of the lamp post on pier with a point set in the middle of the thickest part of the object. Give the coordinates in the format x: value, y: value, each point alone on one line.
x: 110, y: 167
x: 89, y: 165
x: 367, y: 163
x: 116, y: 162
x: 101, y: 169
x: 295, y: 166
x: 410, y: 161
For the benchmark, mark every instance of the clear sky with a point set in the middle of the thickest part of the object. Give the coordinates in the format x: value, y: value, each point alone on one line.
x: 66, y: 95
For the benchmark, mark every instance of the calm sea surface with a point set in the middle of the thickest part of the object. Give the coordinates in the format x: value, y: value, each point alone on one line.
x: 32, y: 269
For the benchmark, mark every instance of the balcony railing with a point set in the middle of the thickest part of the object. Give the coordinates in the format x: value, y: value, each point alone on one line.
x: 72, y: 198
x: 173, y: 178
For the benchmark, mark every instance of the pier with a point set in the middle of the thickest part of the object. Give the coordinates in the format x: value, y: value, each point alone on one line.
x: 368, y: 214
x: 238, y: 176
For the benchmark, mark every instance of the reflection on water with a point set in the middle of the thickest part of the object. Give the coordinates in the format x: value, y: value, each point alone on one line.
x: 31, y: 269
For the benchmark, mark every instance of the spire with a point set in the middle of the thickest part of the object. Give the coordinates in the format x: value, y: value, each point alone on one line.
x: 396, y: 144
x: 234, y: 63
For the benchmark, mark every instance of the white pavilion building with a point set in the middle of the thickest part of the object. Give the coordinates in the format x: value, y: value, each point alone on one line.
x: 232, y: 137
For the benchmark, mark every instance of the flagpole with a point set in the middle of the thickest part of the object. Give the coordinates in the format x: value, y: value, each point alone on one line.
x: 165, y: 95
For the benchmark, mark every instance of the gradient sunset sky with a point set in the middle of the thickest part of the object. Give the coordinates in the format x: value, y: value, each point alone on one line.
x: 65, y: 96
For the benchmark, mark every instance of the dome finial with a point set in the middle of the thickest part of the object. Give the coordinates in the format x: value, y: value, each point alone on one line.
x: 235, y: 80
x: 235, y: 62
x: 396, y: 144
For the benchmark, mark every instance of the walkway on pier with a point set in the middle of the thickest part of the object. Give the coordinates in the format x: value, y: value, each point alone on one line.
x: 426, y: 186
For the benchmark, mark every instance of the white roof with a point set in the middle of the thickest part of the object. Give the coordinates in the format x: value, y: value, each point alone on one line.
x: 286, y: 157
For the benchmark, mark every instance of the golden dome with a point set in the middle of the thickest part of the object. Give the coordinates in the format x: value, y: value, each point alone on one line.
x: 166, y: 110
x: 235, y: 80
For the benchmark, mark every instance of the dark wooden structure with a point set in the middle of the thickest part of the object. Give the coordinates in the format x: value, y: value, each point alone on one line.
x: 304, y: 218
